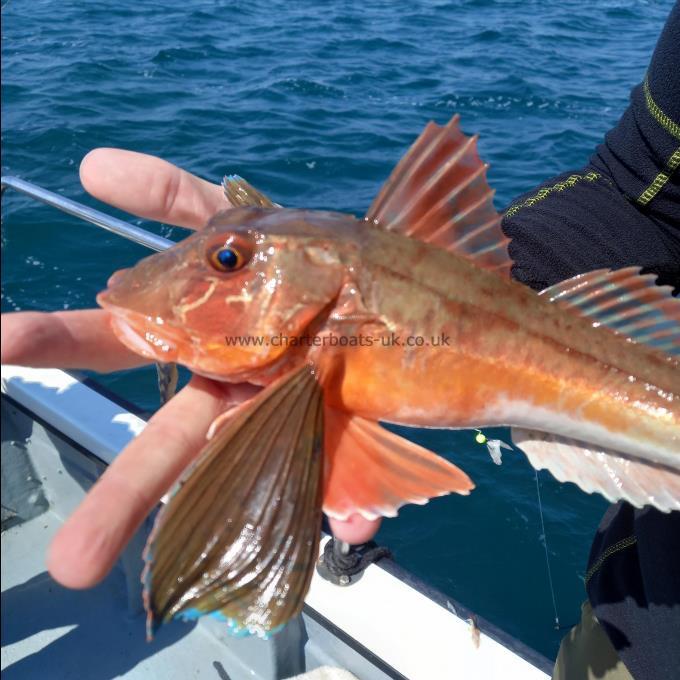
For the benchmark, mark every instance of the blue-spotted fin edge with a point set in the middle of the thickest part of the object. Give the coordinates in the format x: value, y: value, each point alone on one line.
x: 626, y: 302
x: 235, y: 630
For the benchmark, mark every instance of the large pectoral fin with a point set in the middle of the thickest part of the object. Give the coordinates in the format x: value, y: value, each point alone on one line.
x: 373, y: 472
x: 239, y: 537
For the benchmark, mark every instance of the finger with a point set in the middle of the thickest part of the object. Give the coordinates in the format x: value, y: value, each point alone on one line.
x: 88, y: 544
x: 150, y: 187
x: 74, y: 339
x: 354, y: 530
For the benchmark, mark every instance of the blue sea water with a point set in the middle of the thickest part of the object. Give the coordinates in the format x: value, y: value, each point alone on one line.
x: 314, y: 104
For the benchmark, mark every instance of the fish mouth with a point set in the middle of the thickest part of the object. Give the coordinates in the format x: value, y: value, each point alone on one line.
x: 148, y: 336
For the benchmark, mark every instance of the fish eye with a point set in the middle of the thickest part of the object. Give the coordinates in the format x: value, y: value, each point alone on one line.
x: 229, y: 256
x: 226, y: 259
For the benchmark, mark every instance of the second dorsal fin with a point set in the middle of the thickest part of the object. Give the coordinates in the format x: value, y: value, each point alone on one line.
x: 625, y: 301
x: 438, y: 193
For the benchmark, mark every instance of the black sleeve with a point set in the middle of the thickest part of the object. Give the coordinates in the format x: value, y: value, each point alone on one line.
x: 622, y: 209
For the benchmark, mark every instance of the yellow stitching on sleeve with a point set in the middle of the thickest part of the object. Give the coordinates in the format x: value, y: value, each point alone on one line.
x: 546, y: 191
x: 648, y: 194
x: 659, y: 116
x: 672, y: 128
x: 611, y: 550
x: 660, y: 180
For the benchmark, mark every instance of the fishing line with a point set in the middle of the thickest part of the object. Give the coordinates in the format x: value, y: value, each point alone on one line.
x: 545, y: 546
x: 494, y: 446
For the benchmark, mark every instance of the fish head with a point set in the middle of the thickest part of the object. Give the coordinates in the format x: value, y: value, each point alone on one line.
x: 223, y: 301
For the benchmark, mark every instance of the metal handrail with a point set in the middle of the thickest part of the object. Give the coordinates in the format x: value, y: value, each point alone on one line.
x: 99, y: 219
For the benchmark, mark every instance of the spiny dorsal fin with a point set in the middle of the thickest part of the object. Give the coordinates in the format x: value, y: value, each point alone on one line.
x: 438, y: 193
x: 242, y: 194
x: 625, y: 301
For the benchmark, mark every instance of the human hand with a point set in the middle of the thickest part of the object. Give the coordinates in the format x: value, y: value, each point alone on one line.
x: 88, y: 544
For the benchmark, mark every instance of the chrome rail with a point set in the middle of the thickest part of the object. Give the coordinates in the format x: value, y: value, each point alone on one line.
x: 99, y: 219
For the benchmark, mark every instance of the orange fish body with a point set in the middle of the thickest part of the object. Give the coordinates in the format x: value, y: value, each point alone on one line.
x: 471, y: 348
x: 407, y: 317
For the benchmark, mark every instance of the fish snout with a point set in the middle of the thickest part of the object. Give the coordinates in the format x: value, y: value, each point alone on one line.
x: 117, y: 277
